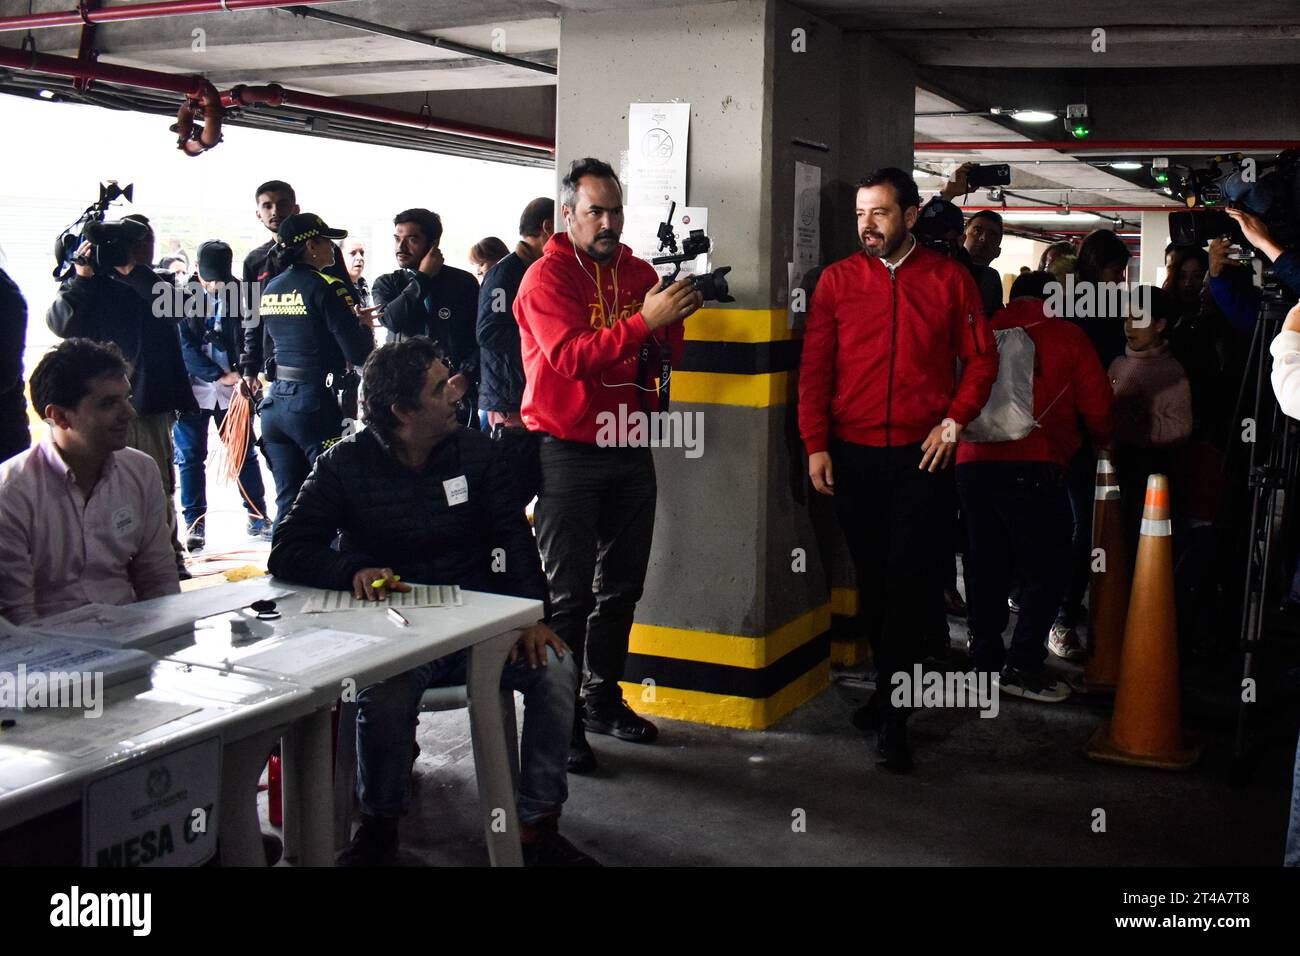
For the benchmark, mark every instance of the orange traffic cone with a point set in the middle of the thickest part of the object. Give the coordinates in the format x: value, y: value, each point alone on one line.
x: 1108, y: 592
x: 1146, y: 728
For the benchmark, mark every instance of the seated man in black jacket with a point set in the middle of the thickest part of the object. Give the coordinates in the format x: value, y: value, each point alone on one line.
x: 417, y: 497
x: 426, y: 297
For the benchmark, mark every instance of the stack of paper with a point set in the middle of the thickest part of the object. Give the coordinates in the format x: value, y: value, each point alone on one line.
x: 420, y: 595
x: 27, y: 657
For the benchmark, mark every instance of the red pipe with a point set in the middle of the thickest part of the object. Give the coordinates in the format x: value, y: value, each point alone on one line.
x: 192, y: 87
x: 1115, y: 145
x: 140, y: 11
x: 195, y: 138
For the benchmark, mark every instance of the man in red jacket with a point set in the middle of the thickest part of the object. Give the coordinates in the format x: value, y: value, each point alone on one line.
x: 1014, y: 496
x: 593, y: 330
x: 881, y: 406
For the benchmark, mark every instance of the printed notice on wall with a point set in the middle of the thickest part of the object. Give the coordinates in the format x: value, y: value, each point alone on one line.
x: 807, y: 238
x: 656, y: 153
x: 641, y: 234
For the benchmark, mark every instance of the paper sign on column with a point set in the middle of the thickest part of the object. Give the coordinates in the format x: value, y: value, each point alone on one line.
x: 807, y: 237
x: 656, y: 153
x: 641, y: 234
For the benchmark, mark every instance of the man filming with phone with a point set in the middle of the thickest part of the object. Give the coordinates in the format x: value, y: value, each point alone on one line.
x: 594, y: 327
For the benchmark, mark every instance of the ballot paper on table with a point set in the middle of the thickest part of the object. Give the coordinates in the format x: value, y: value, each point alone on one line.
x: 304, y: 653
x: 420, y: 595
x: 38, y: 653
x: 150, y: 622
x: 61, y: 732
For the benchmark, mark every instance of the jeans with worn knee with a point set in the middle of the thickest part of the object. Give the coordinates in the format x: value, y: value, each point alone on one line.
x: 387, y: 714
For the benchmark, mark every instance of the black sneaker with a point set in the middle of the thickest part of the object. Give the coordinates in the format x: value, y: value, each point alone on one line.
x: 260, y: 528
x: 375, y: 844
x: 620, y: 721
x: 581, y: 757
x: 1032, y: 685
x: 194, y: 542
x: 551, y: 849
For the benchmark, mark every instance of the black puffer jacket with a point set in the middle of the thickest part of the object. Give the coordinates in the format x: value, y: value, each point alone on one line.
x: 389, y: 516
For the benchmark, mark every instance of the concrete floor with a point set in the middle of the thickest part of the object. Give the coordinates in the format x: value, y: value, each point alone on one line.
x: 1013, y: 790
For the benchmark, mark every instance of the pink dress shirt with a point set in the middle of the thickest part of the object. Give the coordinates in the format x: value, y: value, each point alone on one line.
x: 61, y: 550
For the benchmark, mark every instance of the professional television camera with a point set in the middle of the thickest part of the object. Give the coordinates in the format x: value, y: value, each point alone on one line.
x: 712, y: 285
x: 112, y: 241
x: 1270, y: 189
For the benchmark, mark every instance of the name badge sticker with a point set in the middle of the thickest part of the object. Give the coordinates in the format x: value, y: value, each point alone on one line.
x: 123, y: 521
x: 457, y: 490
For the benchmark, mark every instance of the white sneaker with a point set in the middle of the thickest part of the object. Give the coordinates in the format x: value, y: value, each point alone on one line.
x: 1064, y: 643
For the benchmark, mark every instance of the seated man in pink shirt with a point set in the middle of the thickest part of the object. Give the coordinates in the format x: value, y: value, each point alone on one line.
x: 83, y: 518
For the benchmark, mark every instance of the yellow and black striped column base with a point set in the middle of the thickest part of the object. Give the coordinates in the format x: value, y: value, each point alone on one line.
x: 726, y: 679
x: 848, y: 648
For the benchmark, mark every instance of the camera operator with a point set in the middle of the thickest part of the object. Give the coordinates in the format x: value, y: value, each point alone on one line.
x: 587, y: 310
x: 96, y: 306
x: 427, y: 297
x: 881, y: 409
x: 1230, y: 281
x: 14, y: 434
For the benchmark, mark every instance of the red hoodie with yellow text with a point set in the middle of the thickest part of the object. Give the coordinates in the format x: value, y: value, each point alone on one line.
x: 581, y: 335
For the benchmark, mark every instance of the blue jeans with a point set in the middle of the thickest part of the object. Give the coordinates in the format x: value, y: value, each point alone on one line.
x: 190, y: 435
x: 387, y: 714
x: 299, y: 420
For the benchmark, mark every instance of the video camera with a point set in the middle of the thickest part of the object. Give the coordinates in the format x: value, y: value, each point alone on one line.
x: 1271, y: 192
x: 112, y: 240
x: 712, y: 285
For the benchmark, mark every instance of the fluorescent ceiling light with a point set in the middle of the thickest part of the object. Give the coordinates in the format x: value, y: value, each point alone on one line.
x: 1012, y: 216
x: 922, y: 172
x: 1126, y: 164
x: 1033, y: 116
x: 46, y: 95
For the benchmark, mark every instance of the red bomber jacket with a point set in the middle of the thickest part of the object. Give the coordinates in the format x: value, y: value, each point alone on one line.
x: 880, y: 351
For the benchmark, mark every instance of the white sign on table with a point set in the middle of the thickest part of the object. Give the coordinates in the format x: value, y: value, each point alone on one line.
x: 162, y: 812
x: 656, y: 153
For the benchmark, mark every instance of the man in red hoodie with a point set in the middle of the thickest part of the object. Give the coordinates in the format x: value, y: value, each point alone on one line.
x: 1014, y: 496
x: 594, y: 329
x: 881, y: 406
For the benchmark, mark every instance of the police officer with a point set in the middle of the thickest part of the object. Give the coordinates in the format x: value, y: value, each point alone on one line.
x: 315, y: 332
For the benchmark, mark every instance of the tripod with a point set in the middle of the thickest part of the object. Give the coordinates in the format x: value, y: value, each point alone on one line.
x: 1272, y: 476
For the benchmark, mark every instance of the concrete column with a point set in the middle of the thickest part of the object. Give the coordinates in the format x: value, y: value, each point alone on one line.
x: 734, y: 627
x: 1155, y: 236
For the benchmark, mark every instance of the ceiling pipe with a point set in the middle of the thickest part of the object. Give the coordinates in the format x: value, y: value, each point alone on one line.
x: 142, y: 11
x: 193, y: 87
x: 411, y: 37
x: 276, y: 95
x: 1113, y: 145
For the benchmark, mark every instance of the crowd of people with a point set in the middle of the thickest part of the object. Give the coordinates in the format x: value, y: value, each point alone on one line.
x: 487, y: 393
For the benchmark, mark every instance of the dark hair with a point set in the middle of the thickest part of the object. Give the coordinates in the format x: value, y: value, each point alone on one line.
x: 1031, y: 285
x: 64, y: 375
x: 536, y: 212
x: 1100, y: 248
x: 587, y: 166
x: 429, y: 222
x: 394, y: 375
x: 1060, y: 248
x: 1182, y: 254
x: 275, y: 186
x: 283, y: 257
x: 905, y: 191
x: 488, y: 251
x: 988, y: 214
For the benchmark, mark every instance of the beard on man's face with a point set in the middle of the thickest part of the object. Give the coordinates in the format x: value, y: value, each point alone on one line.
x: 880, y: 245
x: 603, y: 245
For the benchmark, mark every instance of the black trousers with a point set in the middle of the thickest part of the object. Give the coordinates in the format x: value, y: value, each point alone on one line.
x: 893, y: 515
x: 1018, y: 516
x: 595, y: 516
